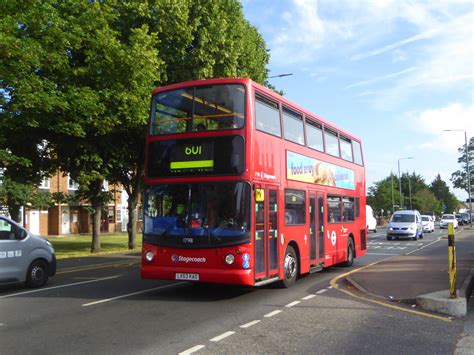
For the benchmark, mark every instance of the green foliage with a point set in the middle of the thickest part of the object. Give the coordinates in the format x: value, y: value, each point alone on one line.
x: 425, y: 201
x: 436, y: 198
x: 380, y: 195
x: 78, y: 75
x: 459, y: 177
x: 441, y: 191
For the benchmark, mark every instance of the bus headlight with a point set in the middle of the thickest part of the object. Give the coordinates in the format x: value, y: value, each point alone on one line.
x: 229, y: 259
x: 149, y: 256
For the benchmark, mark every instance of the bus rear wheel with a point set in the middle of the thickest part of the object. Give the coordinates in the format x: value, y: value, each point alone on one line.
x: 290, y: 267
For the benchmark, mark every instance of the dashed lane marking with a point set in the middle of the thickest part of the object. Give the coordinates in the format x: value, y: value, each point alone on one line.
x: 129, y: 294
x: 308, y: 297
x: 60, y: 286
x: 192, y: 350
x: 271, y: 314
x: 222, y: 336
x: 320, y: 292
x: 249, y: 324
x: 97, y: 266
x: 289, y: 305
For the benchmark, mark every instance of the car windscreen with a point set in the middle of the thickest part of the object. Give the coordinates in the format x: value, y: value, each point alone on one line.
x: 406, y: 218
x: 425, y: 219
x: 197, y: 215
x: 447, y: 216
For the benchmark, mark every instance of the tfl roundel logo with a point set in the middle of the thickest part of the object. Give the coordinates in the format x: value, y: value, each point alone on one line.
x: 174, y: 258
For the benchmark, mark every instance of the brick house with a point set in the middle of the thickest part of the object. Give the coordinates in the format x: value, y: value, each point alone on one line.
x: 65, y: 219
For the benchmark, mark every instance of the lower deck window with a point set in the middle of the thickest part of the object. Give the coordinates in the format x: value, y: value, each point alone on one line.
x: 295, y: 207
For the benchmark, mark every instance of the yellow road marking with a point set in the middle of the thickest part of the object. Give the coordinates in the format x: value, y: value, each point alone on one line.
x: 380, y: 303
x: 127, y: 263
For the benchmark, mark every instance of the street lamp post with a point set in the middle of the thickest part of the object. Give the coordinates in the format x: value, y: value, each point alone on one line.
x: 400, y: 180
x: 280, y: 75
x: 468, y: 170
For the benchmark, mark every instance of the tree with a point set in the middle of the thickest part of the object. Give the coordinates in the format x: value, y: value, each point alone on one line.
x: 380, y: 194
x: 459, y: 177
x: 425, y: 201
x: 411, y: 184
x: 80, y: 75
x: 441, y: 191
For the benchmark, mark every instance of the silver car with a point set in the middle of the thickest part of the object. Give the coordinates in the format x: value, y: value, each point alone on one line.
x: 405, y: 224
x: 24, y: 257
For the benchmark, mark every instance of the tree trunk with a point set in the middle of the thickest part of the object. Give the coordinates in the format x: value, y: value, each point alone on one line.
x: 14, y: 212
x: 132, y: 222
x: 96, y: 217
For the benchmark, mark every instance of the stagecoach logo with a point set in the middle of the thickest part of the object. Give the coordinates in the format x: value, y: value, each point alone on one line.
x: 187, y: 259
x: 333, y: 237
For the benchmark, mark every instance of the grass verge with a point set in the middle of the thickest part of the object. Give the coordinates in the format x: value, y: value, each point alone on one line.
x: 74, y: 246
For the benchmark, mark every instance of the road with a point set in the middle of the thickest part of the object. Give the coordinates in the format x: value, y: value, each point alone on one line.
x: 101, y: 306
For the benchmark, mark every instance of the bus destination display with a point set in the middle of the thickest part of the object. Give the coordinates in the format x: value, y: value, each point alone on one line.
x: 208, y: 156
x: 192, y: 157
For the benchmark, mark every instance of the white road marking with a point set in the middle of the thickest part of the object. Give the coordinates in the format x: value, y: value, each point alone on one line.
x: 321, y: 291
x: 308, y: 297
x: 381, y: 254
x: 129, y: 294
x: 271, y: 314
x: 192, y: 350
x: 329, y: 287
x: 61, y: 286
x: 249, y: 324
x: 222, y: 336
x: 423, y: 247
x: 289, y: 305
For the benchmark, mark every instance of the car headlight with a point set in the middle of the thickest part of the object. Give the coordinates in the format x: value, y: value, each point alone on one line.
x: 390, y: 229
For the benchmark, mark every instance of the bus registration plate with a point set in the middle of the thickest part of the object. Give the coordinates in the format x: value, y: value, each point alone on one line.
x: 187, y: 277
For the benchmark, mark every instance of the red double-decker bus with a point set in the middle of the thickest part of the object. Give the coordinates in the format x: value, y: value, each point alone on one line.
x: 245, y: 187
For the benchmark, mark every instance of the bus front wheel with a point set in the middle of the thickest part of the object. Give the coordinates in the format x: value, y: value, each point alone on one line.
x: 290, y: 267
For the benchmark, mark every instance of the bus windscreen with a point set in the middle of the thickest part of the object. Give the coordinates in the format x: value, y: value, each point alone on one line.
x: 199, y: 108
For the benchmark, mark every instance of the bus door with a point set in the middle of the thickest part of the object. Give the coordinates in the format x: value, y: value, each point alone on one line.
x: 266, y: 232
x: 316, y: 228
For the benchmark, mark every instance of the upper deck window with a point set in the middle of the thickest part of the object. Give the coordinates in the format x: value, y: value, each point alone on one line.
x: 199, y: 108
x: 346, y: 148
x: 314, y: 135
x: 357, y: 153
x: 267, y: 116
x: 332, y: 143
x: 293, y: 124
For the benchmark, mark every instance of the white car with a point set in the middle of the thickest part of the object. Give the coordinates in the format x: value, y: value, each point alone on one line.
x: 427, y: 223
x: 446, y: 219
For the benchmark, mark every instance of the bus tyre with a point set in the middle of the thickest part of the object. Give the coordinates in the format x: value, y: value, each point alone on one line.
x: 290, y: 267
x: 350, y: 253
x: 37, y: 274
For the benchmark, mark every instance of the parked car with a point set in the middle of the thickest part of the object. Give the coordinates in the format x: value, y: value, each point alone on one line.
x: 24, y: 257
x: 370, y: 219
x: 405, y: 224
x: 427, y: 223
x: 465, y: 218
x: 459, y: 219
x: 448, y: 218
x: 431, y: 214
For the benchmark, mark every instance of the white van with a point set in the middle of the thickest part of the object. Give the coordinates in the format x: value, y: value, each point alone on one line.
x: 24, y: 257
x: 370, y: 219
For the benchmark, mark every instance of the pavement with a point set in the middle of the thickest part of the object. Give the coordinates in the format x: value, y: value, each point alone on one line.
x: 422, y: 279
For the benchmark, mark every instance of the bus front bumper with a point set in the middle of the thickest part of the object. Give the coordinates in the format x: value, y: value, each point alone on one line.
x: 211, y: 275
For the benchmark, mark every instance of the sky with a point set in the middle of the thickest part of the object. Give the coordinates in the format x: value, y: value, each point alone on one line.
x: 394, y: 73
